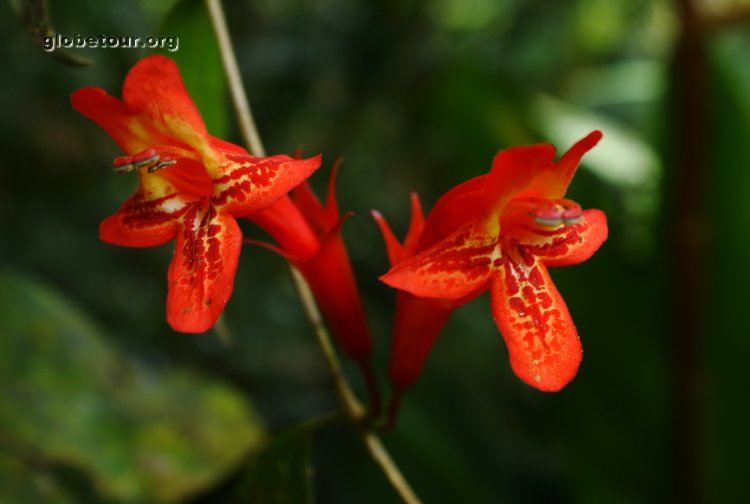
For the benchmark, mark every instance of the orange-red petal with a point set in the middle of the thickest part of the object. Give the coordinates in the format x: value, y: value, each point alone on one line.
x: 289, y: 227
x: 553, y: 183
x: 397, y: 252
x: 132, y: 132
x: 248, y: 184
x: 458, y: 266
x: 186, y: 176
x: 201, y: 274
x: 416, y: 225
x: 564, y: 245
x: 543, y: 344
x: 418, y: 323
x: 453, y: 210
x: 513, y: 170
x: 393, y: 247
x: 322, y: 218
x: 154, y: 88
x: 142, y: 222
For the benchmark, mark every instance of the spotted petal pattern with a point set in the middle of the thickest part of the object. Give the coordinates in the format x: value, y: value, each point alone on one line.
x: 452, y: 269
x: 141, y: 222
x: 542, y: 341
x: 201, y: 274
x: 249, y: 184
x: 564, y: 245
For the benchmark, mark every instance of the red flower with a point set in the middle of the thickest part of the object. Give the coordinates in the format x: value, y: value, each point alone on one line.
x: 309, y: 236
x: 500, y: 232
x: 192, y: 186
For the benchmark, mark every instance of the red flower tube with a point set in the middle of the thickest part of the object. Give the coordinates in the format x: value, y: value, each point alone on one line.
x: 308, y: 234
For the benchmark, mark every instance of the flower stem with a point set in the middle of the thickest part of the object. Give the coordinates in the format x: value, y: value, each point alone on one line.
x: 234, y: 79
x: 353, y: 409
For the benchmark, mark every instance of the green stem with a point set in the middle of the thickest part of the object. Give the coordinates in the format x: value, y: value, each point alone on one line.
x: 353, y: 409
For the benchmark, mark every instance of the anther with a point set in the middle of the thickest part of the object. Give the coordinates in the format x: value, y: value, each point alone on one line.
x: 161, y: 164
x: 148, y: 159
x: 572, y: 216
x: 123, y: 164
x: 549, y: 216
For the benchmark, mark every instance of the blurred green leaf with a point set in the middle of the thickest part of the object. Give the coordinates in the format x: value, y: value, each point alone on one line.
x: 137, y: 433
x: 19, y: 482
x: 199, y: 60
x: 157, y: 9
x: 623, y: 158
x: 727, y: 347
x: 282, y: 473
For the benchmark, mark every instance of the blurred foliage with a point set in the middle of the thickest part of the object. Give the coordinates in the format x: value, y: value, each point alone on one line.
x: 138, y: 433
x: 414, y: 96
x: 282, y: 473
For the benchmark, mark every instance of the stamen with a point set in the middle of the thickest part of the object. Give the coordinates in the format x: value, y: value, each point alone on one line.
x: 572, y: 213
x: 549, y: 216
x: 572, y: 216
x: 552, y: 213
x: 148, y: 159
x: 161, y: 164
x: 123, y: 164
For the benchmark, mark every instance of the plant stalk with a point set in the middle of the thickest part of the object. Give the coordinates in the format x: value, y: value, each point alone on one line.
x: 353, y: 408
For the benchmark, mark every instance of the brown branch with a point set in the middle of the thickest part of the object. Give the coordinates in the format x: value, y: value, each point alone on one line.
x: 689, y: 249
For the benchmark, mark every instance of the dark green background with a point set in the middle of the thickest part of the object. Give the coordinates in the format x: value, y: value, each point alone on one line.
x: 414, y: 96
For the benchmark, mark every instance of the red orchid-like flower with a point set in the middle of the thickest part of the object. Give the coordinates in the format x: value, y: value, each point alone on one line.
x: 308, y: 234
x: 500, y: 232
x: 192, y: 186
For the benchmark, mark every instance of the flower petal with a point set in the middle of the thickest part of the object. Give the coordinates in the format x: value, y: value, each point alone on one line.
x: 396, y: 251
x: 186, y: 177
x: 143, y: 222
x: 201, y: 274
x: 154, y: 88
x: 564, y: 245
x: 393, y: 247
x: 418, y: 323
x: 289, y: 227
x: 416, y: 225
x: 308, y: 204
x: 456, y: 267
x: 554, y: 183
x: 132, y: 132
x: 513, y: 170
x: 542, y: 341
x: 453, y: 210
x: 222, y: 145
x: 323, y: 218
x: 250, y: 184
